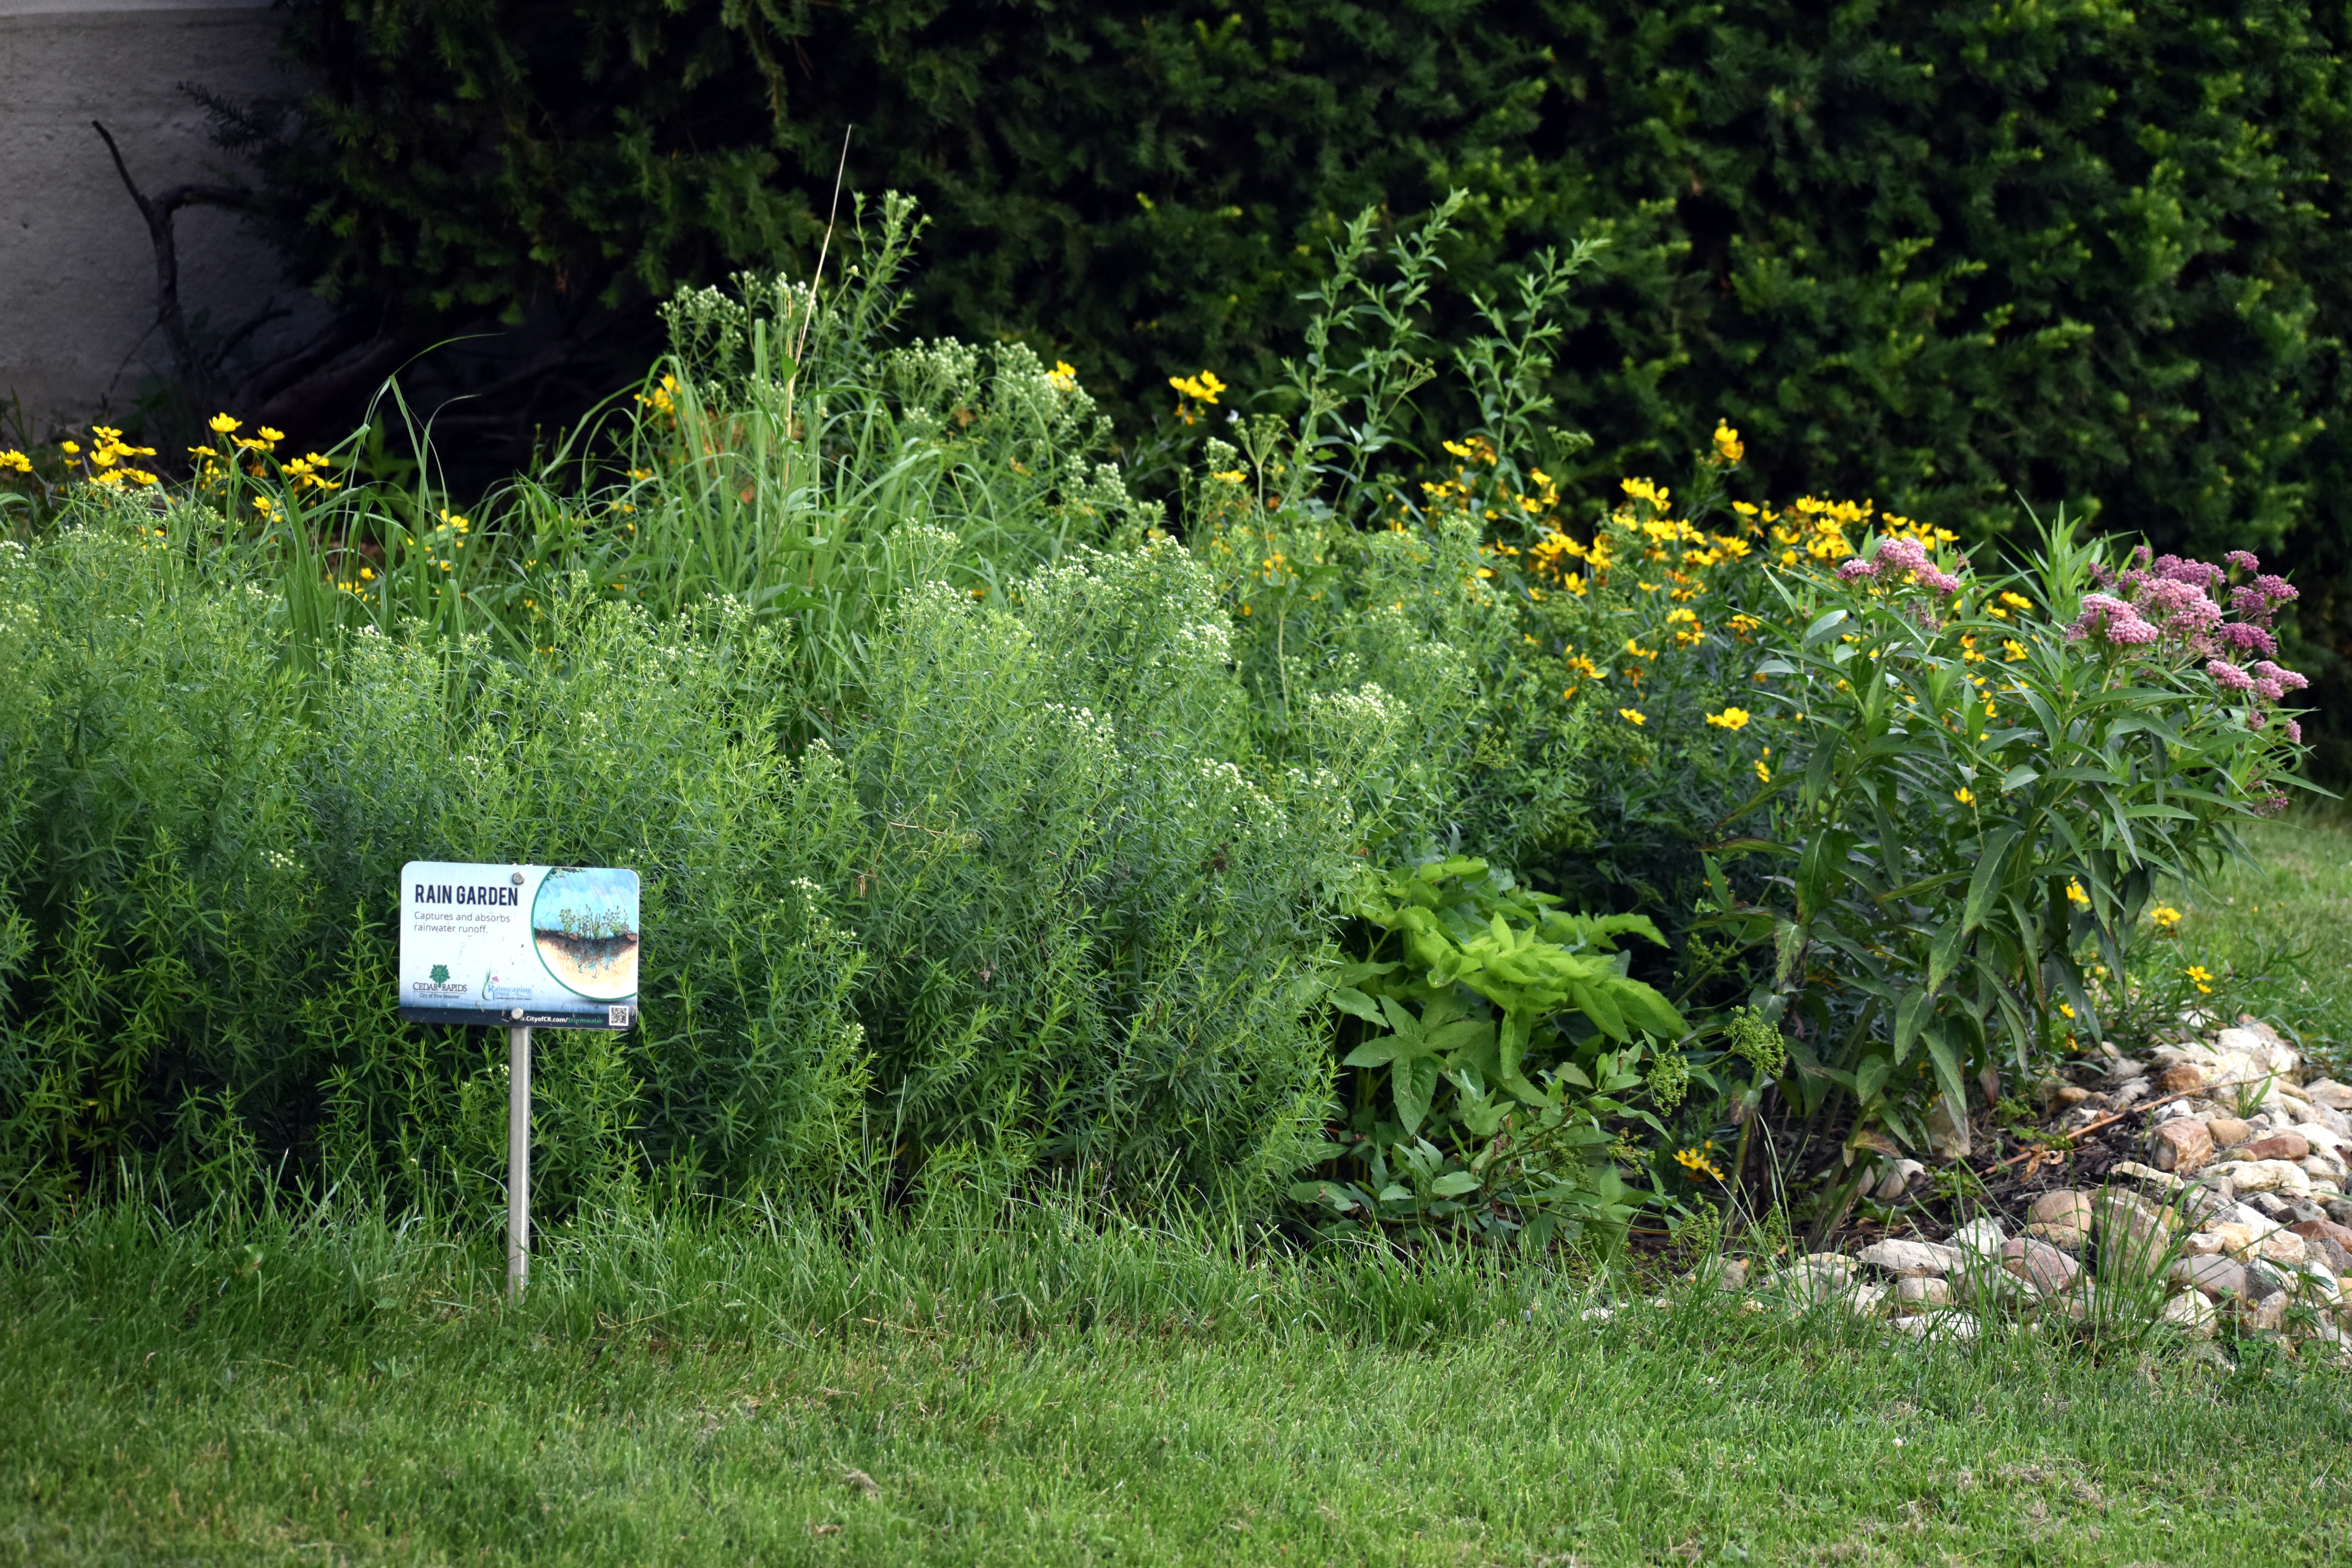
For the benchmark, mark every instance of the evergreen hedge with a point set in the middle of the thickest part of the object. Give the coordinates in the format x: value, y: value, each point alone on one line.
x: 1944, y: 257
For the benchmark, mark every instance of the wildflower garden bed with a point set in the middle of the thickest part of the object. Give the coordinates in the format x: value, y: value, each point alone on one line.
x: 1396, y: 934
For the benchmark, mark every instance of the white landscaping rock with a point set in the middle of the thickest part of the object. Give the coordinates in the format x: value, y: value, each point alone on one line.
x: 1897, y: 1179
x: 2192, y: 1314
x: 1863, y: 1300
x: 1824, y: 1276
x: 1919, y: 1258
x: 1920, y: 1293
x: 2147, y: 1176
x: 2264, y: 1046
x: 2322, y: 1137
x: 2271, y: 1176
x: 2327, y: 1091
x: 1980, y: 1238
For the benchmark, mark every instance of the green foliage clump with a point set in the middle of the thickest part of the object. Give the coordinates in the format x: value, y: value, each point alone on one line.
x: 1027, y: 911
x: 1985, y: 787
x: 1510, y: 1038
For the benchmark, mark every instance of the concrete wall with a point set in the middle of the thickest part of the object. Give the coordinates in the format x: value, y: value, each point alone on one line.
x: 77, y: 273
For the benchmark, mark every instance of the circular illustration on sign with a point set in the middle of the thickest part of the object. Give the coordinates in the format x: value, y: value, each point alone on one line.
x: 584, y: 924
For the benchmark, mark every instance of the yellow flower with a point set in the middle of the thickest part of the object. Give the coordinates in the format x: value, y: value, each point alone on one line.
x: 223, y: 425
x: 1730, y: 719
x: 2017, y: 601
x: 1065, y: 375
x: 2075, y: 896
x: 1964, y: 797
x: 2200, y: 977
x: 1631, y: 716
x: 16, y: 460
x: 1727, y: 443
x: 2066, y: 1008
x: 1697, y: 1163
x: 2166, y: 918
x: 1763, y: 774
x: 1201, y: 388
x: 2013, y: 648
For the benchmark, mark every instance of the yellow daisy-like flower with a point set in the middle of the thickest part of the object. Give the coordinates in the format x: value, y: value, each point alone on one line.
x: 1697, y: 1163
x: 1964, y: 795
x: 222, y: 425
x: 2200, y: 977
x: 1727, y: 445
x: 2075, y: 896
x: 2165, y: 918
x: 1763, y: 773
x: 1633, y: 716
x: 1730, y: 719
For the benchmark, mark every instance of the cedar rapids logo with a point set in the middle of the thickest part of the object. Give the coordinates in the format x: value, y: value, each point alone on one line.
x: 439, y: 985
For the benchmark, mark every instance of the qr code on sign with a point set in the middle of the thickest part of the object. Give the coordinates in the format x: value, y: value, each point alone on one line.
x: 617, y: 1017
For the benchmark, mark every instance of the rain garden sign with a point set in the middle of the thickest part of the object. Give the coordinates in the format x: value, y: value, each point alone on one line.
x: 518, y: 947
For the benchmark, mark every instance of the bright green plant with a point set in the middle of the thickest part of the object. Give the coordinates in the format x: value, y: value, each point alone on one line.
x: 1498, y: 1068
x: 1988, y: 776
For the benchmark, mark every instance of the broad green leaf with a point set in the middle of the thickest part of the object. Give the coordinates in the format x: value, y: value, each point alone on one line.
x: 1869, y: 1076
x: 1944, y: 954
x: 1415, y: 1085
x: 1986, y: 883
x: 1347, y: 999
x: 1644, y: 1006
x: 1919, y: 1004
x: 1454, y: 1184
x: 1595, y: 1003
x: 1948, y: 1074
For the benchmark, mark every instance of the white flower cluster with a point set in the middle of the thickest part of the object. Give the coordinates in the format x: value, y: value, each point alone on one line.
x: 1225, y: 787
x: 1085, y: 726
x: 1366, y: 712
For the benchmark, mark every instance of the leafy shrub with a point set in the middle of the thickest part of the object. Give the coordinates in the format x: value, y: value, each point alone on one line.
x: 203, y: 852
x: 1026, y: 909
x: 1097, y: 925
x: 1507, y: 1037
x: 1987, y: 777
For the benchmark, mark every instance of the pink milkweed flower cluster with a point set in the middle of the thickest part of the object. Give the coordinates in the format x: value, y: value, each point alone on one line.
x: 2171, y: 602
x: 1906, y: 557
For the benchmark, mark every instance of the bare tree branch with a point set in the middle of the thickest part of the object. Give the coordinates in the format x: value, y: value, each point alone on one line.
x: 158, y: 210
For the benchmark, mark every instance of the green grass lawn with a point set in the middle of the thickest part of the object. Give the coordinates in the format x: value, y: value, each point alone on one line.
x: 2281, y: 930
x: 1040, y: 1390
x: 1027, y: 1387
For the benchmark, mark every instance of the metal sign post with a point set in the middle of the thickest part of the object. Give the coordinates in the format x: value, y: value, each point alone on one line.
x: 553, y: 947
x: 517, y: 1160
